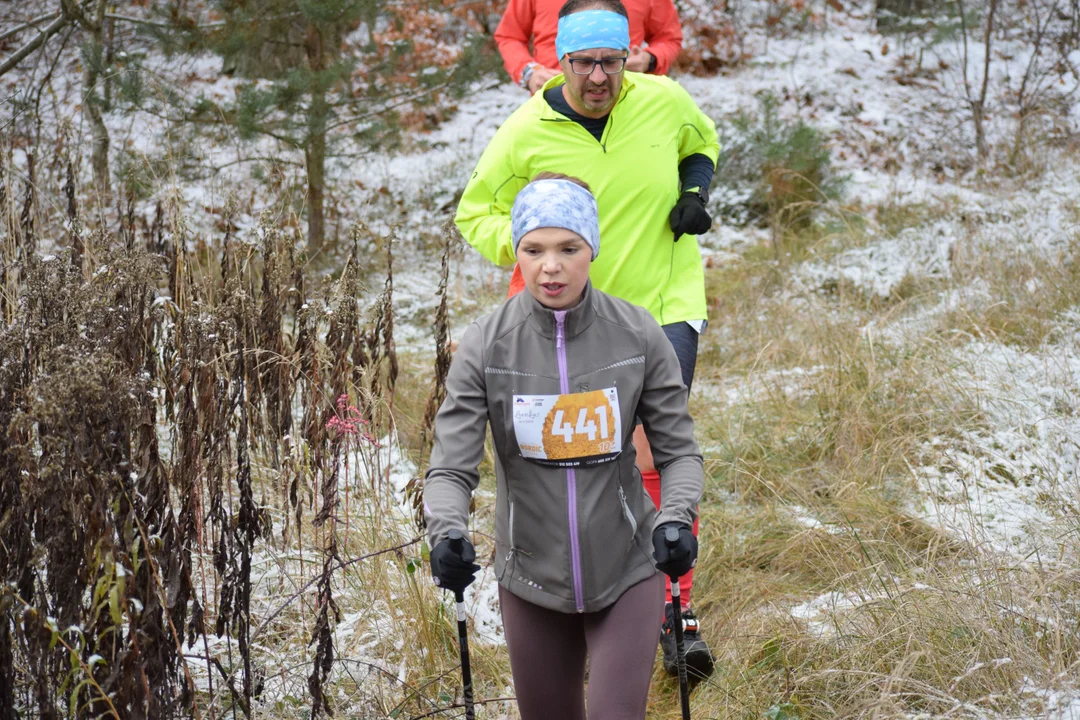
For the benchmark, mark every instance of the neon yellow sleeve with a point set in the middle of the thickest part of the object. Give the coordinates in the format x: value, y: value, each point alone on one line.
x: 483, y: 215
x: 697, y: 135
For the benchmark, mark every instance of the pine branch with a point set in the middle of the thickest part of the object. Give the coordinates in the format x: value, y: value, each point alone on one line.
x: 398, y: 103
x: 258, y: 158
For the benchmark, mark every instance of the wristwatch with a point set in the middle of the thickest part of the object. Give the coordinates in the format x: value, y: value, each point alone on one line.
x: 527, y: 73
x: 702, y: 193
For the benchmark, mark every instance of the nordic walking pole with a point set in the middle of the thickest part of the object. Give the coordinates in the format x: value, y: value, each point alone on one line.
x: 671, y: 539
x: 457, y: 544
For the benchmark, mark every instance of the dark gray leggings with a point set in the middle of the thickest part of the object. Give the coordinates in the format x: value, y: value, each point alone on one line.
x: 548, y: 651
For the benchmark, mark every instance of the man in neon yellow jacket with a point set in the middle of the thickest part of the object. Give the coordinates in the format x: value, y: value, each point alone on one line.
x: 634, y: 171
x: 648, y: 153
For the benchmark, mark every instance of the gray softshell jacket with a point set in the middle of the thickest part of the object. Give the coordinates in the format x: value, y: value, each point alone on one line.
x: 571, y: 539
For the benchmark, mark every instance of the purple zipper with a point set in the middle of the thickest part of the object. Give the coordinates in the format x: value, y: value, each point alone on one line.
x: 571, y: 474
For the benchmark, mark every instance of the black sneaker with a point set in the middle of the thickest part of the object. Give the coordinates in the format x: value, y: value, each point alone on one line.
x: 699, y: 659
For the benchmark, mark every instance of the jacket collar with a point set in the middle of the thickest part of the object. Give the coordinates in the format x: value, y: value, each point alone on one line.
x: 542, y: 319
x: 546, y: 111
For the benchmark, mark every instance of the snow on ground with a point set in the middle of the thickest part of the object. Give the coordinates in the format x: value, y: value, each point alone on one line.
x: 791, y: 383
x: 881, y: 266
x: 1041, y: 219
x: 807, y: 519
x: 1052, y: 704
x: 1013, y: 484
x: 819, y: 614
x: 823, y: 616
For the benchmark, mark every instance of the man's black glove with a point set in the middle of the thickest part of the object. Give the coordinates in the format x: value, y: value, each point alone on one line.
x: 676, y: 560
x: 451, y: 570
x: 689, y: 216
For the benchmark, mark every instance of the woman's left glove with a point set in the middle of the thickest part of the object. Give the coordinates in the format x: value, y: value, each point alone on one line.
x: 452, y: 570
x: 675, y: 559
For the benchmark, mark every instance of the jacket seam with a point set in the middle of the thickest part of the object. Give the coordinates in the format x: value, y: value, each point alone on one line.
x: 523, y: 320
x: 696, y: 129
x: 495, y: 193
x: 626, y: 326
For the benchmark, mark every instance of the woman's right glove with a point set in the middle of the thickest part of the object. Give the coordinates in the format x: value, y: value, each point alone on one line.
x: 675, y: 552
x: 453, y: 570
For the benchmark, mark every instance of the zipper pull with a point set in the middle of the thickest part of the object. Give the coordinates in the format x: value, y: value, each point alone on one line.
x: 560, y: 328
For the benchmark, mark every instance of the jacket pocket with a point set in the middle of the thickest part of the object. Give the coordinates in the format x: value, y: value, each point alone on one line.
x: 511, y: 526
x: 629, y: 517
x: 509, y: 541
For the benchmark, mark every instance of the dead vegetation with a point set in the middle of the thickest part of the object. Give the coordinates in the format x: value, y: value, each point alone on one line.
x: 178, y: 416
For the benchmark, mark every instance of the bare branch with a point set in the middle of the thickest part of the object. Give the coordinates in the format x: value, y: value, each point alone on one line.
x: 27, y: 25
x: 201, y: 26
x: 54, y: 27
x: 154, y: 23
x: 72, y: 10
x: 964, y: 37
x: 986, y: 62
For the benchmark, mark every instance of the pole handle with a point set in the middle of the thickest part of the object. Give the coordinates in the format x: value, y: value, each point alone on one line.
x: 457, y: 544
x: 671, y: 540
x: 457, y: 541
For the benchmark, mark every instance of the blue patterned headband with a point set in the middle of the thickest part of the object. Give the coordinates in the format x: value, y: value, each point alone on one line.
x: 591, y: 29
x: 559, y: 204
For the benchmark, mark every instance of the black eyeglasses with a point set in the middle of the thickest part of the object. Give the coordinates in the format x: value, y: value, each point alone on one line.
x: 585, y: 66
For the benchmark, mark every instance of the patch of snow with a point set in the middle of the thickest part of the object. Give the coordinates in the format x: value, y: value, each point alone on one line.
x: 880, y: 267
x: 1011, y: 483
x: 482, y: 601
x: 819, y: 614
x: 806, y: 518
x: 1050, y: 704
x: 790, y: 382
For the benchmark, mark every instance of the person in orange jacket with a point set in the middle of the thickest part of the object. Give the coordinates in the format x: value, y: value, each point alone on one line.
x: 653, y: 23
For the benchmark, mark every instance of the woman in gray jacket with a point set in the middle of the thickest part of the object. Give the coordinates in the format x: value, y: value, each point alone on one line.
x: 562, y: 373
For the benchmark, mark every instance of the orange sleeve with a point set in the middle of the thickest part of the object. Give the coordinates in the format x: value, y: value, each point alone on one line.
x: 517, y: 282
x: 513, y: 35
x: 663, y: 33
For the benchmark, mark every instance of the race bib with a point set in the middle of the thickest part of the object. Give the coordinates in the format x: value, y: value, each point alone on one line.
x: 574, y: 429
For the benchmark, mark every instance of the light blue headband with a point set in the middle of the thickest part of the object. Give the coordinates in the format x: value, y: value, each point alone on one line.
x: 559, y: 204
x: 591, y: 29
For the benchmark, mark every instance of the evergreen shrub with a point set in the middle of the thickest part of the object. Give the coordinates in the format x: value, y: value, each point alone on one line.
x: 772, y: 171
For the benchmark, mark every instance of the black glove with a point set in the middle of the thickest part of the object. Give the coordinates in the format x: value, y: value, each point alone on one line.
x: 689, y: 216
x: 676, y: 560
x: 452, y: 570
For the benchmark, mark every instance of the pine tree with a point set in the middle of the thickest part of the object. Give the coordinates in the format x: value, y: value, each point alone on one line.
x: 317, y: 93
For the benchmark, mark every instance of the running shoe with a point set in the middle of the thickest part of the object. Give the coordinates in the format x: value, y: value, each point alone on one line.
x: 699, y: 658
